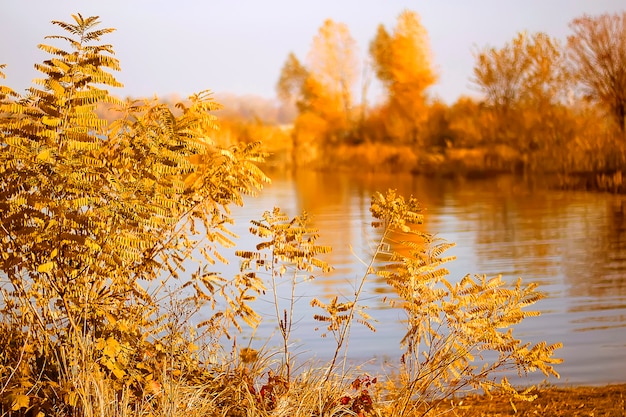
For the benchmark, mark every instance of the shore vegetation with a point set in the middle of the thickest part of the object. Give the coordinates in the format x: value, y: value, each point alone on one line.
x: 110, y: 244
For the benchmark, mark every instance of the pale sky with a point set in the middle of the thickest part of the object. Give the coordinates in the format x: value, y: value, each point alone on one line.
x: 239, y: 46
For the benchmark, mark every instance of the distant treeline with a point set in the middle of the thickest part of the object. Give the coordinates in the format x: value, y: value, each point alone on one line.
x: 547, y: 107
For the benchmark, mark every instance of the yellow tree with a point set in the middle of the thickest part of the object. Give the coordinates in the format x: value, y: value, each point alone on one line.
x: 598, y: 53
x: 547, y: 80
x: 333, y: 66
x: 290, y: 85
x: 323, y: 92
x: 499, y: 73
x: 403, y: 63
x: 380, y: 52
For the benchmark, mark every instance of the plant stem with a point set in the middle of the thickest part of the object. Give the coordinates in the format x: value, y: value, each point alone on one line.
x: 345, y: 330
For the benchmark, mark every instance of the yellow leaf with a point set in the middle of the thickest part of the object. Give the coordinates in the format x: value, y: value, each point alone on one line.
x: 47, y: 267
x: 44, y: 155
x: 19, y: 401
x: 112, y: 347
x: 100, y: 343
x: 152, y: 387
x: 50, y: 121
x: 123, y: 326
x: 118, y: 371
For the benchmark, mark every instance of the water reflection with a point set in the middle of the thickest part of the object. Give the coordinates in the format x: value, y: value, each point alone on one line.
x: 573, y: 244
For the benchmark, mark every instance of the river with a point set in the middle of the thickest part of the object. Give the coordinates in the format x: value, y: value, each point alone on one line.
x: 573, y: 244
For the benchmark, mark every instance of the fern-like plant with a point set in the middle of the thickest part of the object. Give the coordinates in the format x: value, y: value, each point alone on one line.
x: 288, y: 252
x: 92, y: 212
x: 459, y: 335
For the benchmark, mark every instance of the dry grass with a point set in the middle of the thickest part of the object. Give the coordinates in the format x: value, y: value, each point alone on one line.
x: 373, y: 157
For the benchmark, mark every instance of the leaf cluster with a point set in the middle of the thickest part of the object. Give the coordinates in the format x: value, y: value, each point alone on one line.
x: 458, y: 334
x: 287, y: 252
x: 99, y: 219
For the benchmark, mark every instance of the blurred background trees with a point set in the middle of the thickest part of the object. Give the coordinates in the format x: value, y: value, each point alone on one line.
x: 598, y: 55
x: 524, y: 85
x: 322, y: 92
x: 544, y: 106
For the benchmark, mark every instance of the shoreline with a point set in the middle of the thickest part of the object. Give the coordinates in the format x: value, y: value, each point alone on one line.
x: 606, y: 400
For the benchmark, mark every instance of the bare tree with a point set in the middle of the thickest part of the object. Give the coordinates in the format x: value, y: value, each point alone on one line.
x: 499, y: 73
x: 598, y: 54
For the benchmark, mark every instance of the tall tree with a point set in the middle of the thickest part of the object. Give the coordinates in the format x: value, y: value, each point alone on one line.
x: 333, y: 64
x: 548, y: 80
x: 290, y: 85
x: 523, y: 82
x: 380, y: 52
x: 499, y: 72
x: 598, y: 53
x: 323, y: 92
x: 528, y: 69
x: 403, y: 63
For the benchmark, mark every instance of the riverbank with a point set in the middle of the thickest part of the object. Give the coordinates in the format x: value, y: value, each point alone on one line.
x: 597, y: 401
x: 607, y: 401
x: 469, y: 163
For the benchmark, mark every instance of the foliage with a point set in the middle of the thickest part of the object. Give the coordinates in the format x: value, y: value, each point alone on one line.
x: 598, y: 53
x: 333, y: 65
x: 528, y: 69
x: 529, y: 88
x: 459, y: 333
x: 92, y: 213
x: 403, y: 63
x: 524, y: 83
x: 532, y: 117
x: 322, y: 91
x: 289, y: 252
x: 361, y: 402
x: 292, y: 77
x: 108, y: 235
x: 451, y: 325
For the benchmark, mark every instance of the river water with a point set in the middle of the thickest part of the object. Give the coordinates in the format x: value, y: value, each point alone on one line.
x: 573, y: 244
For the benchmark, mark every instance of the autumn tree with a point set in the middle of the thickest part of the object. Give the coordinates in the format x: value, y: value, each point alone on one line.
x: 403, y: 63
x: 290, y: 85
x: 499, y: 73
x: 380, y: 52
x: 525, y: 84
x: 597, y: 49
x: 323, y: 92
x: 333, y: 64
x: 528, y: 69
x: 547, y: 81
